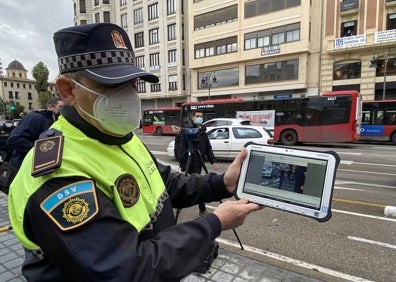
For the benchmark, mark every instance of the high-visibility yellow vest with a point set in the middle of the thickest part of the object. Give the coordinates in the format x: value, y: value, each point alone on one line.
x: 127, y: 174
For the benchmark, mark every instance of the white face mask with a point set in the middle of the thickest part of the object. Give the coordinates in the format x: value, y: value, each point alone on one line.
x: 117, y: 109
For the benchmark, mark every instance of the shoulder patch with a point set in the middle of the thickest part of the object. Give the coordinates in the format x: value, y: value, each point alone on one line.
x: 72, y: 206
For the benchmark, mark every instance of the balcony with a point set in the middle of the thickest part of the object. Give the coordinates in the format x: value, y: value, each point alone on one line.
x: 349, y: 7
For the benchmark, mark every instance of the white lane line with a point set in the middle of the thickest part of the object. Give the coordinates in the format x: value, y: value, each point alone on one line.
x: 292, y: 261
x: 371, y: 172
x: 386, y: 245
x: 365, y: 215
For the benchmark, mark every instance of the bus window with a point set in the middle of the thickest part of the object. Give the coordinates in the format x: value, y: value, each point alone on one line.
x: 379, y: 117
x: 366, y: 117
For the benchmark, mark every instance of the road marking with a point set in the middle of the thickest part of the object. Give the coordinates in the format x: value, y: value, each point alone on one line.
x: 159, y: 153
x: 292, y: 261
x: 386, y: 245
x: 358, y: 203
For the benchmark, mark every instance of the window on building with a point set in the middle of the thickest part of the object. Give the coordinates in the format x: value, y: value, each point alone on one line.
x: 171, y: 7
x: 96, y: 2
x: 106, y: 1
x: 154, y: 61
x: 347, y: 70
x: 224, y: 78
x: 218, y: 17
x: 12, y: 84
x: 391, y: 22
x: 348, y: 28
x: 171, y: 32
x: 261, y: 7
x: 155, y: 87
x: 106, y: 17
x: 153, y: 36
x: 29, y: 96
x: 270, y: 72
x: 17, y: 84
x: 172, y: 59
x: 141, y: 86
x: 30, y: 106
x: 390, y: 67
x: 17, y: 95
x: 272, y: 36
x: 173, y: 82
x: 217, y: 47
x: 83, y: 7
x: 153, y: 11
x: 139, y: 39
x: 124, y: 21
x: 140, y: 62
x: 123, y: 2
x: 97, y: 18
x: 10, y: 96
x: 138, y: 16
x: 83, y: 22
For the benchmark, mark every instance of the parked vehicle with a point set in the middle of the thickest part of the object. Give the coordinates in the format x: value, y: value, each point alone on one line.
x: 224, y: 121
x: 227, y: 141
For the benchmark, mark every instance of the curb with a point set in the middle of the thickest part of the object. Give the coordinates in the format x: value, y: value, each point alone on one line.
x: 390, y: 211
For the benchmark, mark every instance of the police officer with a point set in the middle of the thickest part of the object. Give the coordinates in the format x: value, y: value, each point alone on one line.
x: 90, y: 202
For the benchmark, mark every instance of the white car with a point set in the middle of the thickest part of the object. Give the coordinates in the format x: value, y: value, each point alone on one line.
x: 228, y: 140
x: 224, y: 121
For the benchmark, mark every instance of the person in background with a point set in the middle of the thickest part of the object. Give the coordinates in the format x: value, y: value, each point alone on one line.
x: 90, y: 201
x: 193, y: 150
x: 22, y: 138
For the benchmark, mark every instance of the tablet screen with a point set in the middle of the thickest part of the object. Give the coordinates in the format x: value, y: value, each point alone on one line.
x: 296, y: 180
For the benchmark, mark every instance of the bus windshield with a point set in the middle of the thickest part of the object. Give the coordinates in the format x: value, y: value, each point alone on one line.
x: 333, y: 117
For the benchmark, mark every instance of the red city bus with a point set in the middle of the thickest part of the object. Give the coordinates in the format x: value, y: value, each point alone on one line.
x: 379, y: 121
x: 333, y: 117
x: 163, y: 120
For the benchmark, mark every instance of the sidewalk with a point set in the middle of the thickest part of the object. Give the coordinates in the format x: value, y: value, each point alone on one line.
x: 229, y: 266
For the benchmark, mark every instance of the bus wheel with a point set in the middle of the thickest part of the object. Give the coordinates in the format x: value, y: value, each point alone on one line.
x: 158, y: 131
x: 289, y: 138
x: 393, y: 138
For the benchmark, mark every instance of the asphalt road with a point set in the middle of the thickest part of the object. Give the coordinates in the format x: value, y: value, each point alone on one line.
x: 358, y: 243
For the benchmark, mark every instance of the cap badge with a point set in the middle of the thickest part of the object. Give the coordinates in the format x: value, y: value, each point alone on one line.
x: 118, y: 39
x: 128, y: 189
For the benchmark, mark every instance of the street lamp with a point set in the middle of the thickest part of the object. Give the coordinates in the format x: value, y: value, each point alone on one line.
x: 374, y: 64
x: 206, y: 81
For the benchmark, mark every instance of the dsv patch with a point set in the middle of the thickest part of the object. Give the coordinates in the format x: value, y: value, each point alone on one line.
x: 73, y: 205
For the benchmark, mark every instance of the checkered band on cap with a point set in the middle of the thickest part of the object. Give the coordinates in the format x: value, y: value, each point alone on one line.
x: 95, y: 59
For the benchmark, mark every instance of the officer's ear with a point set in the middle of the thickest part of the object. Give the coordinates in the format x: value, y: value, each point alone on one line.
x: 65, y: 88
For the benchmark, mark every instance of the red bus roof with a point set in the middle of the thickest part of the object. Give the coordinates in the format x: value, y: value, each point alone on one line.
x: 215, y: 101
x: 163, y: 109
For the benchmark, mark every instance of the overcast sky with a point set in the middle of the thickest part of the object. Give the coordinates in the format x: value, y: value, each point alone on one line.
x: 27, y: 27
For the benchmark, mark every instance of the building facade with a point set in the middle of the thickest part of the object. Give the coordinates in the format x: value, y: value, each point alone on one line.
x: 359, y: 47
x: 256, y: 49
x: 17, y: 88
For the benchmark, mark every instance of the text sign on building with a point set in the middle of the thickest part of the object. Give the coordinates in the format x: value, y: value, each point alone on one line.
x: 269, y: 50
x: 350, y: 41
x: 385, y: 36
x: 283, y: 96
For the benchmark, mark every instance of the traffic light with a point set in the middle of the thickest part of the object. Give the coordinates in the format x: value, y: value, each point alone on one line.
x: 12, y: 107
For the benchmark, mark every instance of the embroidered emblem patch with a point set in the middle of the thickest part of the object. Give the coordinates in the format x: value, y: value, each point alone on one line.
x: 72, y: 205
x: 128, y: 189
x: 118, y: 39
x: 75, y: 210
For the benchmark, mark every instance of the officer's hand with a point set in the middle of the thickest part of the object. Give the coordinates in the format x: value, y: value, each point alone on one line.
x: 215, y: 166
x: 233, y: 213
x: 232, y: 174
